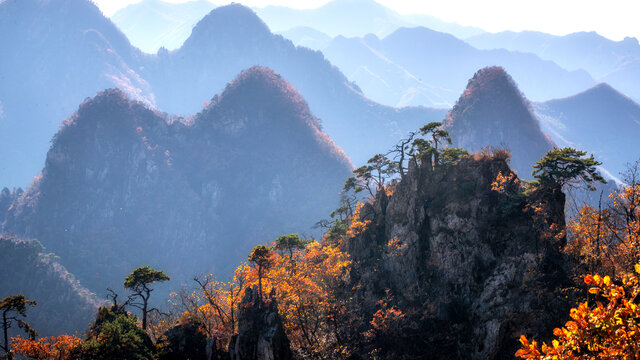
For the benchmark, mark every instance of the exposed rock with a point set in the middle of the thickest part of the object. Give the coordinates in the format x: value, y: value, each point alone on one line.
x: 188, y: 341
x: 261, y: 334
x: 469, y: 268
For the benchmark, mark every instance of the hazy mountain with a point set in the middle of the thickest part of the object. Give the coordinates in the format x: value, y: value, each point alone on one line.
x: 64, y: 306
x: 307, y: 37
x: 355, y: 18
x: 55, y: 63
x: 600, y: 120
x: 54, y: 54
x: 380, y: 78
x: 151, y: 24
x: 493, y: 112
x: 233, y: 38
x: 125, y: 186
x: 425, y: 53
x: 616, y: 62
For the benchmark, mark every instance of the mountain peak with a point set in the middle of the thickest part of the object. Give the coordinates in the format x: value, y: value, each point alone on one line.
x: 233, y: 21
x: 493, y: 112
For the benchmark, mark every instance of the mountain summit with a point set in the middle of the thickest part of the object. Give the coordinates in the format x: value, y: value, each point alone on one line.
x: 493, y: 112
x: 125, y: 186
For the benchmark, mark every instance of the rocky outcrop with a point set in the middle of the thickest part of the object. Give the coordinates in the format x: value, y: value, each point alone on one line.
x: 188, y: 341
x: 451, y: 268
x: 261, y: 334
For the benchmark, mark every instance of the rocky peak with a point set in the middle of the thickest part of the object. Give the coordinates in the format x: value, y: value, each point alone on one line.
x: 493, y: 112
x: 463, y: 269
x: 261, y: 334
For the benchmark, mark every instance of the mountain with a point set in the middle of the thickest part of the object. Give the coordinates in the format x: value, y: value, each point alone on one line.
x: 425, y: 53
x: 355, y: 18
x: 493, y: 112
x: 55, y: 54
x: 600, y: 120
x: 64, y: 306
x: 125, y: 186
x: 232, y: 38
x: 55, y: 63
x: 307, y: 37
x: 419, y: 66
x: 614, y: 62
x: 152, y: 24
x: 380, y: 78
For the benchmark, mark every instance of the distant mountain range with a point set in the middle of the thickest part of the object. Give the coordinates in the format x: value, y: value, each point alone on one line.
x: 56, y: 63
x: 356, y: 18
x: 419, y: 66
x: 125, y: 186
x: 600, y: 120
x: 614, y: 62
x: 151, y: 24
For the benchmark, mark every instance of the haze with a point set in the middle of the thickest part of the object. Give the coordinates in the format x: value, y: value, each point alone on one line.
x: 615, y: 19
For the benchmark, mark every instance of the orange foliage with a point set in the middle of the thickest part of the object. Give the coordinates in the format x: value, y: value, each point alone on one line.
x: 357, y: 225
x: 215, y: 305
x: 302, y: 284
x: 605, y: 330
x: 502, y: 181
x: 608, y: 240
x: 47, y: 348
x: 302, y: 289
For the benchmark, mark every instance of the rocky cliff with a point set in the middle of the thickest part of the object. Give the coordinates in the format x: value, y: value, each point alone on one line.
x: 261, y: 334
x: 451, y: 268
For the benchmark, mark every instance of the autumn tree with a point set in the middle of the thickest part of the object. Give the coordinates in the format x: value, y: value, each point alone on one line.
x: 560, y: 167
x: 62, y: 347
x: 261, y: 258
x: 607, y: 328
x: 607, y: 239
x: 14, y: 308
x: 305, y: 299
x: 139, y: 282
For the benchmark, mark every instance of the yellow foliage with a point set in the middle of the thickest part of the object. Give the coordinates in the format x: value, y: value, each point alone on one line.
x: 603, y: 330
x: 47, y: 348
x: 357, y: 225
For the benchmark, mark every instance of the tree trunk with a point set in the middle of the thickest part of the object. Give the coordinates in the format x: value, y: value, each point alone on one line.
x: 144, y: 313
x: 6, y: 336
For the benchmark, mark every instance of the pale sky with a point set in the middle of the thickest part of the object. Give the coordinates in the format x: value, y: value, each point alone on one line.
x: 614, y: 19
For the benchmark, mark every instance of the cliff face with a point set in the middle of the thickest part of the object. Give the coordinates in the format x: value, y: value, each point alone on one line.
x: 125, y: 186
x: 261, y: 334
x: 458, y: 269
